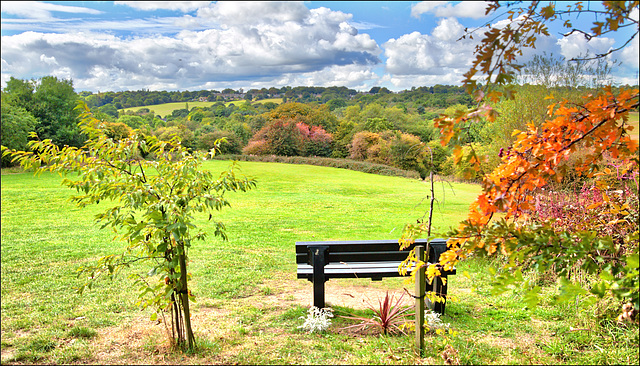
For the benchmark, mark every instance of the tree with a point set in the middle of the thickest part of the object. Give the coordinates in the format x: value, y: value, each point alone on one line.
x: 53, y: 105
x: 152, y: 206
x: 278, y: 137
x: 599, y: 127
x: 19, y: 92
x: 17, y: 123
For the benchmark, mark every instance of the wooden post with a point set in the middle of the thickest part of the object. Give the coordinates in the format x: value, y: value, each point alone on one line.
x: 420, y: 290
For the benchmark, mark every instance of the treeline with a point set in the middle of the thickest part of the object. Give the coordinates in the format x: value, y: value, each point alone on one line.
x: 378, y: 127
x: 435, y: 96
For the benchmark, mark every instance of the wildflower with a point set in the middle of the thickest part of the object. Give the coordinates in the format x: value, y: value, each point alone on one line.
x: 317, y: 320
x: 434, y: 323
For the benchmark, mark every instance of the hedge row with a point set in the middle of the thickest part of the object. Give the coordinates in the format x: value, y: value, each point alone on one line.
x: 360, y: 166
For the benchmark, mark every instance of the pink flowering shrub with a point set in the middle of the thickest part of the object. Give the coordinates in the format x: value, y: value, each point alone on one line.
x: 607, y: 206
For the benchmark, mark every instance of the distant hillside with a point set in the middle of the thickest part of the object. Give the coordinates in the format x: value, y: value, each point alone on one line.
x: 165, y: 109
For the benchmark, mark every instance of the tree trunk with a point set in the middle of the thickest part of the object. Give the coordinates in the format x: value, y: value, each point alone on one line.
x: 184, y: 296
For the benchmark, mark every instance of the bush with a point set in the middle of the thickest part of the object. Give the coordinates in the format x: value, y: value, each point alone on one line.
x: 277, y: 137
x: 360, y: 146
x: 316, y: 141
x: 360, y: 166
x: 117, y: 130
x: 232, y: 145
x: 186, y: 136
x: 408, y: 153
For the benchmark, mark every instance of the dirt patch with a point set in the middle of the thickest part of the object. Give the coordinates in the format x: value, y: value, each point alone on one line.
x: 351, y: 293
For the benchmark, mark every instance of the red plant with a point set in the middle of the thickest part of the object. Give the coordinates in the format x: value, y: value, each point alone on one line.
x: 390, y: 316
x: 610, y: 209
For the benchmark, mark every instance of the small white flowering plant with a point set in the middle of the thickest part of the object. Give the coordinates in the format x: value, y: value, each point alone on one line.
x: 434, y: 323
x: 317, y: 320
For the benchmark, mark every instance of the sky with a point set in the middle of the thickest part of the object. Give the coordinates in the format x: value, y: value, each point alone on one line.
x: 197, y: 45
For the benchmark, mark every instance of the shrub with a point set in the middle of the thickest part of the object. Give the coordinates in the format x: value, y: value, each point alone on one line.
x: 131, y: 121
x: 360, y: 166
x: 117, y: 131
x: 361, y: 143
x: 231, y: 145
x: 317, y: 320
x: 186, y: 136
x: 408, y: 153
x: 317, y: 142
x: 277, y: 137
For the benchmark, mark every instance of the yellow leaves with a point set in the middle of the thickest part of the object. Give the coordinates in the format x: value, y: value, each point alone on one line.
x: 449, y: 259
x: 594, y: 205
x: 548, y: 11
x: 432, y: 271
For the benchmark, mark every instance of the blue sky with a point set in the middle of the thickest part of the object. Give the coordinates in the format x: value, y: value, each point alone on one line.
x: 214, y: 45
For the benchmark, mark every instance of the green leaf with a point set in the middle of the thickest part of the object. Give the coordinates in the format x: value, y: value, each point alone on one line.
x: 532, y: 297
x: 633, y: 261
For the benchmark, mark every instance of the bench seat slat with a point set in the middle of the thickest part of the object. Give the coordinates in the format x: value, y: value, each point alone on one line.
x: 363, y: 269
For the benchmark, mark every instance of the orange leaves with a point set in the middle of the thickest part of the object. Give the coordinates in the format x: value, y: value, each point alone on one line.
x: 538, y: 155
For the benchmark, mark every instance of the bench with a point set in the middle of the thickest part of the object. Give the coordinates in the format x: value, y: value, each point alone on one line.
x: 319, y: 261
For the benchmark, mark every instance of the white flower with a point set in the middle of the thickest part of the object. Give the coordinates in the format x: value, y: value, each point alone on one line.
x: 433, y: 321
x: 317, y: 320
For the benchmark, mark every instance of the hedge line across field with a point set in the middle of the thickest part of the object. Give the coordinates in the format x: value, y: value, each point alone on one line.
x: 360, y: 166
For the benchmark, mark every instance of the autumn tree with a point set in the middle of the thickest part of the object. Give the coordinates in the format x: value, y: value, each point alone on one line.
x: 152, y: 203
x: 502, y: 219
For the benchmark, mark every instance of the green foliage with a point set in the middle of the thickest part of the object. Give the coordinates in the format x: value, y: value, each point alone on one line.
x: 53, y: 105
x: 184, y: 134
x: 409, y: 153
x: 17, y: 123
x: 154, y: 201
x: 117, y: 131
x: 51, y: 101
x: 227, y: 142
x: 109, y: 109
x: 131, y: 121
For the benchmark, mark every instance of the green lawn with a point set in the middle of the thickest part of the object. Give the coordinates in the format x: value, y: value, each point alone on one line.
x: 166, y: 108
x: 248, y: 298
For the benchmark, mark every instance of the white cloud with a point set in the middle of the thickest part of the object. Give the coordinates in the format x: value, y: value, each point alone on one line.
x: 425, y: 7
x: 576, y: 45
x: 282, y: 40
x: 630, y: 55
x: 36, y: 9
x: 242, y: 13
x: 438, y: 54
x: 448, y: 30
x: 183, y: 6
x: 444, y: 9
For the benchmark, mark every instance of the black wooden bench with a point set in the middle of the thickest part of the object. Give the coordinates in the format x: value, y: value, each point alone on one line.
x: 319, y: 261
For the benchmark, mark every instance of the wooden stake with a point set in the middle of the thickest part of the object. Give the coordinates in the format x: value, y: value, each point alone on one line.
x: 420, y: 290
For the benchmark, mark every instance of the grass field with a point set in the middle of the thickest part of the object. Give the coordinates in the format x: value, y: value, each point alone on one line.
x: 166, y: 108
x: 248, y: 298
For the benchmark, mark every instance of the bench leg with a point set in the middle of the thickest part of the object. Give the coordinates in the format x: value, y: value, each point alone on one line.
x: 318, y: 262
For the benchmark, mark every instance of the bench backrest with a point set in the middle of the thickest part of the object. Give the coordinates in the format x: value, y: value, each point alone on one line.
x: 367, y: 250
